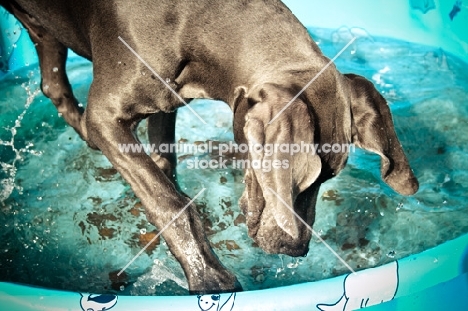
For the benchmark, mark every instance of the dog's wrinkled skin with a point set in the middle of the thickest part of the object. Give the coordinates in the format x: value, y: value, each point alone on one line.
x: 255, y: 56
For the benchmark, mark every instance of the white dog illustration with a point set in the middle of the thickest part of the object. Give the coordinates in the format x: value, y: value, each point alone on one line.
x: 211, y: 302
x: 367, y: 288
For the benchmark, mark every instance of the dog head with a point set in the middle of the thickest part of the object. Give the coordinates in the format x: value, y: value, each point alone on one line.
x: 281, y: 184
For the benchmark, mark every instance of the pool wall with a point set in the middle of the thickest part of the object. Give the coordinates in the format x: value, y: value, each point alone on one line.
x: 435, y: 279
x: 420, y: 21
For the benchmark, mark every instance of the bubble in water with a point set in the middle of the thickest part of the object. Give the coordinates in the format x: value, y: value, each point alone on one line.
x: 294, y: 264
x: 260, y: 278
x: 399, y: 206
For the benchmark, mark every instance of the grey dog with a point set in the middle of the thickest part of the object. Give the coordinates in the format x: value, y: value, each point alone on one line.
x: 252, y: 54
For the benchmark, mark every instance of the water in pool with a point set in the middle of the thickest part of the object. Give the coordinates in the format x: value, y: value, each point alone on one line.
x: 69, y: 221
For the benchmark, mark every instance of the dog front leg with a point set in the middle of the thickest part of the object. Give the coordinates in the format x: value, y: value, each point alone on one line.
x: 108, y: 125
x: 52, y: 58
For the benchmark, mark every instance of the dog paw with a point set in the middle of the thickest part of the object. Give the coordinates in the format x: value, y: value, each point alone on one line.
x: 215, y: 282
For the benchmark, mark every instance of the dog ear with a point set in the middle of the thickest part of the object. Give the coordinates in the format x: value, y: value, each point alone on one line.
x: 286, y: 174
x: 373, y: 130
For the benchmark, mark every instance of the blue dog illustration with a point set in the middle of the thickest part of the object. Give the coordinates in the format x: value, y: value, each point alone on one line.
x: 97, y: 302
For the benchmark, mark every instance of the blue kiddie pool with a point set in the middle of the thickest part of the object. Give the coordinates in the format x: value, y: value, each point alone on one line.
x: 70, y: 224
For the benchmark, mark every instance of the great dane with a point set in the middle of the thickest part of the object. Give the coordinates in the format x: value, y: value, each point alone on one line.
x: 252, y: 54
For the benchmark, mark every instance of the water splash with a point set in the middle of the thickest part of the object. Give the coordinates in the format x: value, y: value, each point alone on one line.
x: 10, y: 169
x: 346, y: 34
x: 161, y: 272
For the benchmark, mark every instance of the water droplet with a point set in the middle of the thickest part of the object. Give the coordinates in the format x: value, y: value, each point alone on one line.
x: 55, y: 69
x: 399, y: 206
x: 292, y: 265
x: 260, y: 278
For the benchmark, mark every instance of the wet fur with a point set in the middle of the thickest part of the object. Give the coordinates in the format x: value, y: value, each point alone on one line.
x: 253, y: 55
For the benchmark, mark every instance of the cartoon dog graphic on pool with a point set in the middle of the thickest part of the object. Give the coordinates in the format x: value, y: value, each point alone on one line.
x: 366, y: 288
x: 97, y: 302
x: 211, y: 302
